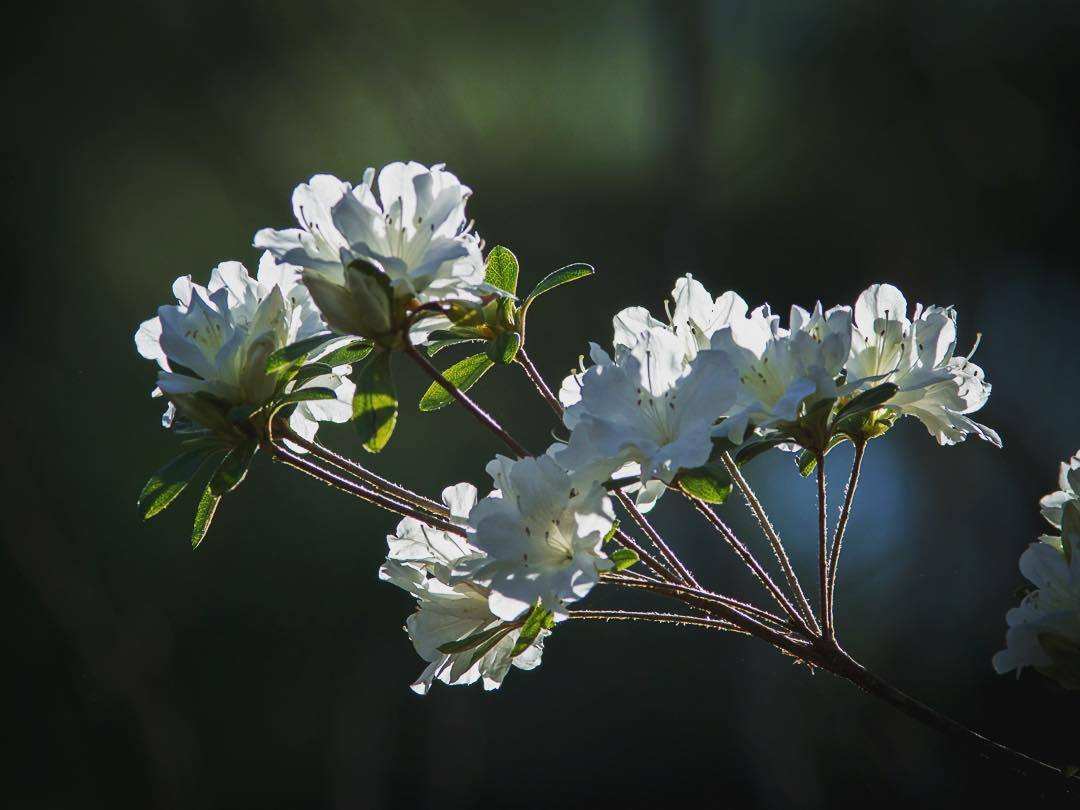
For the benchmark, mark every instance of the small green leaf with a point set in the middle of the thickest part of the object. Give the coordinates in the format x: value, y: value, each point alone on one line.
x: 475, y: 640
x: 623, y: 558
x: 168, y: 482
x: 504, y: 348
x: 611, y: 532
x: 502, y: 269
x: 204, y: 514
x: 571, y: 272
x: 862, y: 404
x: 433, y: 347
x: 1071, y: 771
x: 233, y: 468
x: 534, y: 623
x: 463, y: 374
x: 309, y: 372
x: 755, y: 447
x: 295, y: 354
x: 375, y: 403
x: 348, y: 354
x: 710, y: 483
x: 316, y: 392
x: 806, y: 462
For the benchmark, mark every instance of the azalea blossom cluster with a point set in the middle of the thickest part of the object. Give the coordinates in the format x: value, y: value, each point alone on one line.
x: 392, y: 266
x: 1044, y: 630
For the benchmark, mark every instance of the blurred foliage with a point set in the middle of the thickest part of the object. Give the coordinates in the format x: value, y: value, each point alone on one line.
x: 791, y: 151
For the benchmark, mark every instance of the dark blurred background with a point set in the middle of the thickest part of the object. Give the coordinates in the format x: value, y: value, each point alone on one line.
x: 790, y: 151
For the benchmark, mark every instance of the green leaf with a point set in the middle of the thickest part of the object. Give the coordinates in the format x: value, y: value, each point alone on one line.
x: 806, y: 462
x: 233, y: 468
x: 572, y: 272
x: 375, y: 403
x: 623, y: 558
x: 611, y: 532
x: 168, y: 482
x: 316, y: 392
x: 475, y: 640
x: 504, y: 348
x: 534, y: 623
x: 1071, y: 771
x: 433, y: 347
x: 865, y: 402
x: 204, y: 514
x: 502, y: 269
x: 710, y: 483
x: 463, y: 374
x: 310, y: 371
x: 348, y: 354
x: 295, y: 354
x: 755, y: 447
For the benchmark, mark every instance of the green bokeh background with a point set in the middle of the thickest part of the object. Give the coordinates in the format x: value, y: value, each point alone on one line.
x: 790, y: 151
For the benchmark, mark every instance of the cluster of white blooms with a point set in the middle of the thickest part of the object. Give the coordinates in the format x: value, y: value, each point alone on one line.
x: 717, y: 369
x: 417, y: 248
x: 1044, y: 631
x: 213, y: 344
x: 394, y: 258
x: 533, y: 544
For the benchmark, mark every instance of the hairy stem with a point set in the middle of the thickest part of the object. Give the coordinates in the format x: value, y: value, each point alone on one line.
x: 678, y: 591
x: 654, y: 564
x: 838, y: 537
x: 823, y: 550
x: 660, y: 618
x: 482, y: 416
x: 360, y: 491
x: 526, y: 363
x: 665, y: 551
x: 773, y: 538
x: 373, y: 480
x: 751, y: 562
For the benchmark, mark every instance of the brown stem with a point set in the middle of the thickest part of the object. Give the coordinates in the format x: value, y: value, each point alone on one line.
x: 371, y: 479
x: 840, y: 663
x: 838, y: 537
x: 660, y: 618
x: 773, y: 538
x: 665, y: 551
x: 481, y: 415
x: 752, y: 563
x: 541, y: 386
x: 361, y: 491
x: 654, y: 564
x: 678, y: 591
x: 823, y: 550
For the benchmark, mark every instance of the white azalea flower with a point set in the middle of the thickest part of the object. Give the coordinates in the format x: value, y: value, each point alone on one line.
x: 420, y: 561
x: 415, y: 232
x: 541, y: 530
x: 435, y: 551
x: 694, y: 318
x: 649, y: 406
x: 1051, y: 613
x: 216, y: 340
x: 1069, y: 481
x: 936, y: 387
x: 781, y: 372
